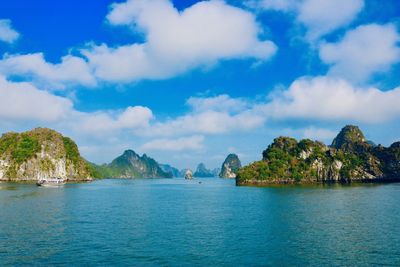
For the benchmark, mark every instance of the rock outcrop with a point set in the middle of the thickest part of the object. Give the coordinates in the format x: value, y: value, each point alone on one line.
x: 203, y: 172
x: 230, y: 167
x: 350, y: 158
x: 188, y: 174
x: 131, y: 165
x: 39, y: 154
x: 169, y: 169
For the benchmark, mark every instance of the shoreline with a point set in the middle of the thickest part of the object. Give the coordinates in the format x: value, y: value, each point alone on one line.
x: 266, y: 183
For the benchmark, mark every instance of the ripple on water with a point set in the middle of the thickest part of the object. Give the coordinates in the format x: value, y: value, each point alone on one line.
x: 175, y: 222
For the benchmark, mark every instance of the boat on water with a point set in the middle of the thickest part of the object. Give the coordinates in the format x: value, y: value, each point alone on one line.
x: 51, y: 182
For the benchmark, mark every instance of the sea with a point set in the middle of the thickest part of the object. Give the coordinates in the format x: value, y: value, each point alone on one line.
x: 201, y: 222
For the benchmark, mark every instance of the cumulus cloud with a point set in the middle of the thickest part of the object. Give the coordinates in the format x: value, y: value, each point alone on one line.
x: 366, y: 50
x: 104, y: 122
x: 326, y: 98
x: 278, y: 5
x: 7, y: 33
x: 180, y: 144
x: 320, y: 17
x: 70, y: 71
x: 200, y: 35
x: 210, y: 115
x: 309, y: 132
x: 23, y: 101
x: 322, y: 98
x: 217, y: 103
x: 315, y: 133
x: 208, y: 122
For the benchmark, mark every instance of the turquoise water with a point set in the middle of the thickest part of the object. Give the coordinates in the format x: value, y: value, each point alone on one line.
x: 173, y: 222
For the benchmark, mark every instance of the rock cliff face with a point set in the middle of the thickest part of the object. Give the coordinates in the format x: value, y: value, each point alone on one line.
x: 131, y: 165
x: 169, y: 169
x: 188, y: 174
x: 230, y: 166
x: 203, y: 172
x: 350, y: 158
x: 41, y: 153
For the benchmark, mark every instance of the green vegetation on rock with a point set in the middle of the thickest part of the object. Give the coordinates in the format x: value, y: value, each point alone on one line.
x: 41, y: 153
x: 71, y: 150
x: 349, y: 158
x: 21, y: 147
x: 26, y: 147
x: 131, y: 165
x: 8, y: 141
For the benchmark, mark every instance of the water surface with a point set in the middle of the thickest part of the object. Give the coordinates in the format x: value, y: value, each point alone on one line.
x: 175, y: 222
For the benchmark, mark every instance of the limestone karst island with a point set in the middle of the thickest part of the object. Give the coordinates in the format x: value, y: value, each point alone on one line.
x: 350, y: 158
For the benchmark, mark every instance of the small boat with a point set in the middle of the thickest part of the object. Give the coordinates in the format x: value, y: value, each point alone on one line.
x: 51, y: 182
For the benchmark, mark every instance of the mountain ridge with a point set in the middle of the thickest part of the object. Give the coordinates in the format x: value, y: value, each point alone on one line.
x: 132, y: 165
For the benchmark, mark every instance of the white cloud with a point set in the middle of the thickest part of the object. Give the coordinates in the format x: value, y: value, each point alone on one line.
x: 317, y: 99
x: 217, y: 103
x: 324, y: 16
x: 366, y: 50
x: 23, y: 101
x: 180, y: 144
x: 70, y: 71
x: 134, y: 117
x: 315, y: 133
x: 198, y: 36
x: 104, y: 122
x: 278, y: 5
x: 308, y: 132
x: 7, y: 33
x: 208, y: 122
x: 320, y: 17
x: 210, y: 115
x: 325, y: 98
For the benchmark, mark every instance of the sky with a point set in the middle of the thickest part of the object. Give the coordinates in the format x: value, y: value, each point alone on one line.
x: 192, y: 81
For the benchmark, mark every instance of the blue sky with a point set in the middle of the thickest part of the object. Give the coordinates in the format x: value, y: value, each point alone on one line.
x: 191, y: 81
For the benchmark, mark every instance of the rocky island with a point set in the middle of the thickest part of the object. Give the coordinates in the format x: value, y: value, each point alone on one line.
x: 188, y: 174
x: 44, y: 153
x: 40, y: 154
x: 169, y: 169
x: 230, y: 167
x: 203, y: 172
x: 132, y: 165
x: 350, y: 158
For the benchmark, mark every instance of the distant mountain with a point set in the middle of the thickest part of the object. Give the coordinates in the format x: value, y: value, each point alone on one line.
x: 169, y: 169
x: 230, y: 166
x: 350, y: 158
x: 216, y: 172
x: 39, y: 154
x: 202, y: 171
x: 131, y: 165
